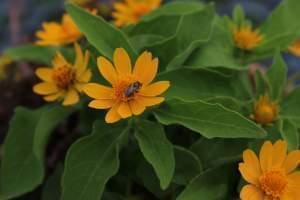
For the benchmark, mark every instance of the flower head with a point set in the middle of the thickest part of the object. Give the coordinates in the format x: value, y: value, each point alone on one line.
x: 272, y: 176
x: 130, y: 11
x: 245, y: 38
x: 131, y: 91
x: 294, y: 48
x: 64, y: 80
x: 265, y: 111
x: 54, y: 33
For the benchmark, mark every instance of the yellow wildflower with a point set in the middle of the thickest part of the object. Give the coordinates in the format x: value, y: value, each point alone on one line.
x: 131, y: 90
x: 4, y: 62
x: 245, y: 38
x: 64, y: 80
x: 273, y: 175
x: 130, y: 11
x: 56, y: 34
x: 294, y: 48
x: 265, y: 111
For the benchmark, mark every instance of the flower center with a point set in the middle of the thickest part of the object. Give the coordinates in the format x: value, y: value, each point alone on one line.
x: 274, y: 184
x: 64, y: 76
x: 126, y: 89
x: 247, y: 39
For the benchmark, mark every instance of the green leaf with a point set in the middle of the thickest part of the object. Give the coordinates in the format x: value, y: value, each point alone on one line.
x: 289, y: 133
x: 214, y: 184
x: 92, y: 161
x: 277, y: 77
x: 157, y: 150
x: 188, y: 166
x: 104, y: 36
x: 261, y: 84
x: 209, y: 120
x: 290, y: 107
x: 238, y: 15
x: 22, y: 167
x: 52, y: 188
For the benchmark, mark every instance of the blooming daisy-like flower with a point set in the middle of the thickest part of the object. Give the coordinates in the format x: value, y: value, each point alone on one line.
x: 294, y: 48
x: 265, y: 111
x: 131, y: 90
x: 56, y: 34
x: 64, y: 80
x: 245, y: 38
x: 273, y: 175
x: 130, y: 11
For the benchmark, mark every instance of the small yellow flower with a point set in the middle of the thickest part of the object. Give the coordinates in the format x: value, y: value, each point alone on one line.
x: 64, y: 80
x: 130, y: 11
x: 57, y: 34
x: 294, y: 48
x: 245, y: 38
x: 265, y: 111
x: 4, y: 62
x: 131, y: 90
x: 273, y: 175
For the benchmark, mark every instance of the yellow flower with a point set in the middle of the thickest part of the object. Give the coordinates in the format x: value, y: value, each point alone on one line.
x: 273, y: 175
x: 56, y: 34
x: 130, y: 11
x: 294, y: 48
x: 265, y: 111
x: 245, y: 38
x: 131, y: 90
x: 64, y: 80
x: 4, y: 62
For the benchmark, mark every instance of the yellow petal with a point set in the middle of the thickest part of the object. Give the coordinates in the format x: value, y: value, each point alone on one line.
x: 294, y: 180
x: 136, y: 107
x: 54, y: 97
x: 71, y: 97
x: 79, y: 56
x: 250, y: 192
x: 107, y: 70
x: 122, y: 62
x: 112, y: 115
x: 101, y: 104
x: 98, y: 91
x: 150, y: 101
x: 252, y: 164
x: 85, y: 77
x: 151, y: 72
x: 266, y: 156
x: 155, y: 89
x: 124, y: 110
x: 279, y: 153
x: 44, y: 73
x: 292, y: 161
x: 59, y: 60
x: 45, y: 88
x: 248, y: 173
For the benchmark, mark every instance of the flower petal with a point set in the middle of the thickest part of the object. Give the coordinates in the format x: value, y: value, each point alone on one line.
x: 44, y: 73
x: 79, y: 56
x: 250, y: 192
x: 107, y: 70
x: 54, y: 97
x: 124, y: 110
x: 279, y: 153
x: 122, y: 62
x: 150, y: 101
x: 251, y: 166
x: 294, y: 180
x: 155, y: 89
x: 248, y: 173
x: 45, y: 88
x: 112, y: 115
x: 98, y: 91
x: 292, y: 161
x: 266, y: 156
x: 101, y: 104
x: 85, y: 77
x: 136, y: 107
x: 146, y: 68
x: 71, y: 97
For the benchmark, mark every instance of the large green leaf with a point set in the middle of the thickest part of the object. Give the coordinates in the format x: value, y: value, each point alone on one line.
x: 101, y: 34
x: 22, y: 167
x: 52, y: 188
x: 210, y: 120
x: 290, y: 107
x: 92, y: 161
x: 277, y: 77
x: 289, y: 133
x: 157, y: 150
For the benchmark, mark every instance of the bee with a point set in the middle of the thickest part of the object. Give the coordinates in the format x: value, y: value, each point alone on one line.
x: 132, y: 89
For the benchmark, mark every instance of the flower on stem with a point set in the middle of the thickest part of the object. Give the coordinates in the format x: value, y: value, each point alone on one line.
x: 131, y: 90
x: 294, y: 48
x: 245, y: 38
x: 64, y: 80
x: 273, y: 175
x: 130, y: 11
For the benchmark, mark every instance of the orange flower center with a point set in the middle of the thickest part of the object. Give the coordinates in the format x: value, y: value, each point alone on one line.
x: 64, y: 76
x: 274, y: 184
x: 126, y: 89
x: 247, y: 39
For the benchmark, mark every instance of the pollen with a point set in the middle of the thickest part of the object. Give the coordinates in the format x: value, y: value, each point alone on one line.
x: 274, y: 184
x: 64, y: 76
x: 265, y: 111
x: 247, y: 39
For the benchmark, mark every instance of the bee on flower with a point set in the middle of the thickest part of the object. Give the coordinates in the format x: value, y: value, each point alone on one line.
x: 272, y: 175
x: 246, y: 38
x: 130, y: 11
x: 64, y: 81
x: 131, y: 91
x: 294, y: 48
